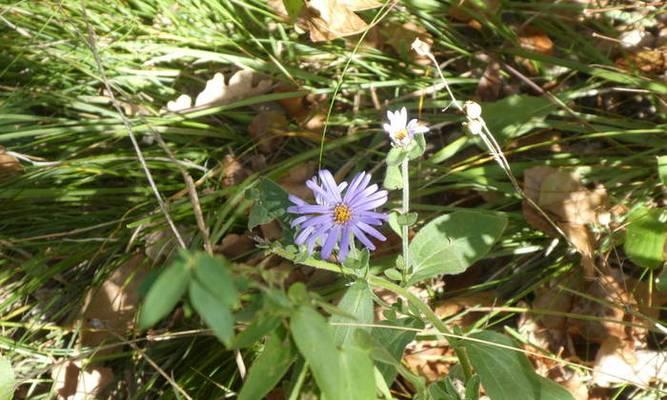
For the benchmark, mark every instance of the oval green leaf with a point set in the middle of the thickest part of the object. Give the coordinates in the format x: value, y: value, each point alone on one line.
x: 451, y: 243
x: 165, y: 292
x: 645, y: 237
x: 505, y: 373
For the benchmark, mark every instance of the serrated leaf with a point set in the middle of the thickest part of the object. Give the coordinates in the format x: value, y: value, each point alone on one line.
x: 271, y: 202
x: 7, y: 380
x: 340, y: 373
x: 213, y: 311
x: 393, y: 179
x: 165, y: 292
x: 451, y: 243
x: 268, y: 368
x: 507, y: 374
x: 357, y: 302
x: 645, y: 238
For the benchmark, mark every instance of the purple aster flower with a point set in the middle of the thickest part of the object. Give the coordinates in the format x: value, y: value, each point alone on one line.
x: 400, y: 130
x: 340, y: 214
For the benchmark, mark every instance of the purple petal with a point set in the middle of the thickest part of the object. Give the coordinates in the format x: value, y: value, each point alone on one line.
x: 362, y: 238
x: 296, y: 200
x: 318, y: 220
x: 299, y: 221
x: 353, y: 191
x: 371, y: 231
x: 359, y: 200
x: 312, y: 209
x: 320, y: 194
x: 353, y: 185
x: 344, y: 244
x: 371, y: 214
x: 330, y: 242
x: 330, y: 185
x: 371, y: 204
x: 303, y: 235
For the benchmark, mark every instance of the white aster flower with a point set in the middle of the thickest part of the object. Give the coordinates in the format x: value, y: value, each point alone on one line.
x: 400, y: 130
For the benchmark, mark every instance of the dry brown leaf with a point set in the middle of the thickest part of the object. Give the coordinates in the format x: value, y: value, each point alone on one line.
x: 401, y: 36
x: 72, y: 383
x: 648, y: 61
x: 607, y: 301
x: 429, y: 359
x: 616, y: 363
x: 294, y: 182
x: 331, y: 19
x: 109, y: 310
x: 490, y: 84
x: 241, y: 85
x: 534, y: 39
x: 455, y: 305
x: 9, y: 165
x: 234, y: 245
x: 233, y: 172
x: 266, y: 129
x: 305, y: 110
x: 569, y: 204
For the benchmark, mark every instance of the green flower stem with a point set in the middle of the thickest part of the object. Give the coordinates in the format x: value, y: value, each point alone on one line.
x: 379, y: 282
x: 405, y: 210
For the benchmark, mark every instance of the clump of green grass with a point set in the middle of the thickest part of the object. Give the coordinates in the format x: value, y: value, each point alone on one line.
x: 82, y: 206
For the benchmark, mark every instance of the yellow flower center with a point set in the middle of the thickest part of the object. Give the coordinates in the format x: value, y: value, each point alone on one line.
x: 342, y: 213
x: 400, y: 135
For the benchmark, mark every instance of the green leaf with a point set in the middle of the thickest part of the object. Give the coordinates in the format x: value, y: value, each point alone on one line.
x: 516, y: 115
x: 645, y: 237
x: 341, y: 373
x: 357, y: 302
x: 213, y: 273
x: 165, y: 292
x: 395, y: 156
x: 394, y: 341
x: 661, y: 281
x: 213, y: 311
x: 507, y: 374
x: 357, y: 259
x: 393, y: 274
x: 393, y: 179
x: 407, y: 219
x: 393, y: 223
x: 472, y: 388
x: 7, y: 380
x: 417, y: 147
x: 268, y: 368
x: 451, y: 243
x: 293, y: 8
x: 662, y: 169
x: 271, y: 202
x: 262, y: 325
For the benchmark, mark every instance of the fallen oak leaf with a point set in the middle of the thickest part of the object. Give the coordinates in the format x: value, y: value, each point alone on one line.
x: 241, y: 86
x: 109, y: 311
x: 569, y: 204
x: 71, y: 382
x: 332, y: 19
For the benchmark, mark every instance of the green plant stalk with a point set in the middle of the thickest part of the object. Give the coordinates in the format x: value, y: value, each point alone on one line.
x: 405, y: 209
x: 379, y: 282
